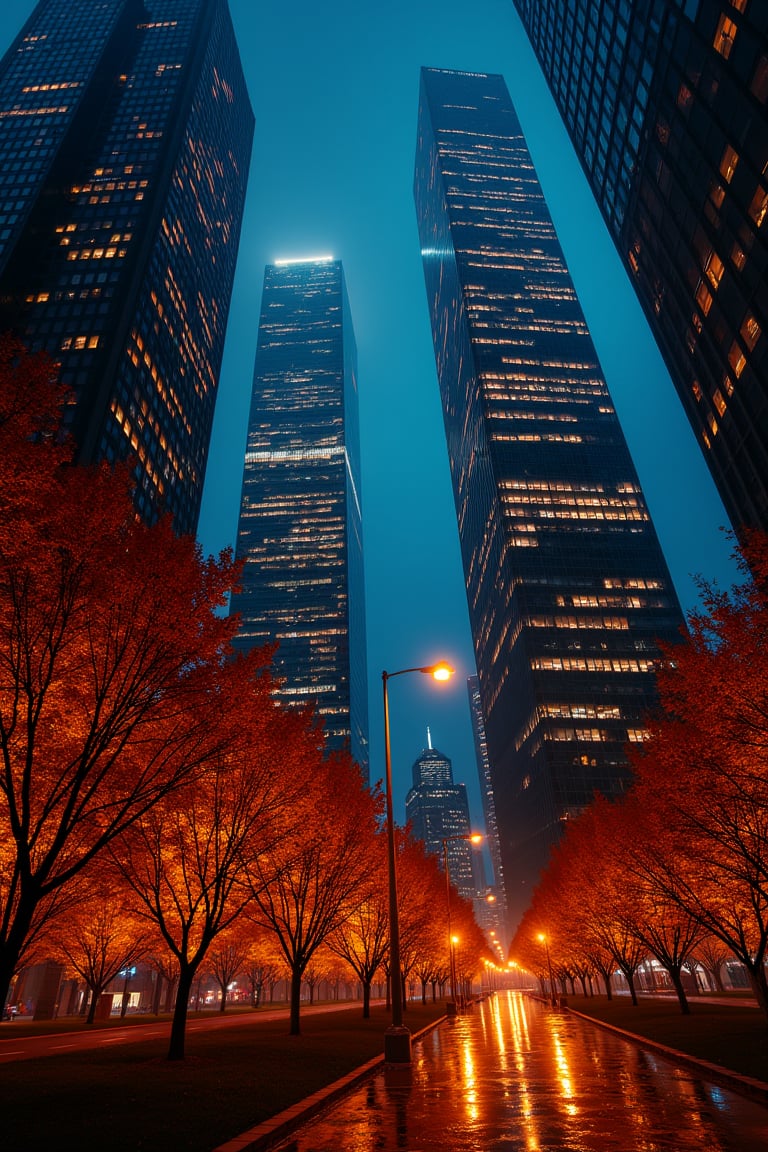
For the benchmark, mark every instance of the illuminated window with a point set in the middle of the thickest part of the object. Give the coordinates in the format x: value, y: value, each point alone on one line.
x: 728, y: 163
x: 750, y: 331
x: 716, y: 194
x: 714, y: 269
x: 759, y: 206
x: 725, y: 36
x: 738, y: 256
x: 737, y: 359
x: 719, y: 401
x: 703, y: 298
x: 696, y: 389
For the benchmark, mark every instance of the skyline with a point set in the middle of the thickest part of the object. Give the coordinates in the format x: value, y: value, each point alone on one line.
x: 315, y: 87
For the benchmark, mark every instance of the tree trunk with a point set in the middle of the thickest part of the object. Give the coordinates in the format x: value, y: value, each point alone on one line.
x: 179, y: 1023
x: 223, y: 1005
x: 677, y: 981
x: 759, y: 985
x: 366, y: 999
x: 92, y: 1006
x: 295, y: 1007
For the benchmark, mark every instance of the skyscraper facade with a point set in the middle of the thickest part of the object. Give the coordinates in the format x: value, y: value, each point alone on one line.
x: 566, y: 584
x: 486, y: 788
x: 438, y: 811
x: 125, y: 140
x: 300, y: 529
x: 667, y: 107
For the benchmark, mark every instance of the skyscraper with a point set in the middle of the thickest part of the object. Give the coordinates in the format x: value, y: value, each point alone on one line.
x: 486, y: 791
x: 667, y: 108
x: 566, y: 585
x: 125, y: 139
x: 300, y: 529
x: 438, y: 810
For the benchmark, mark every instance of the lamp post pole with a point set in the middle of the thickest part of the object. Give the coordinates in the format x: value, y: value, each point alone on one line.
x: 397, y: 1038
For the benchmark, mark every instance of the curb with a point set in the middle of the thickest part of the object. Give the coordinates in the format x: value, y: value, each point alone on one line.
x: 276, y: 1128
x: 745, y: 1085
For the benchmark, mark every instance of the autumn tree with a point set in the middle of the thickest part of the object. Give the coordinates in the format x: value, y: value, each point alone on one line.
x: 108, y: 634
x: 362, y: 939
x: 323, y: 867
x: 101, y: 937
x: 264, y: 962
x: 228, y: 956
x: 187, y: 859
x: 704, y: 771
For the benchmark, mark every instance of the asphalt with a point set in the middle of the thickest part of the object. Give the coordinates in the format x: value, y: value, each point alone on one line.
x: 515, y: 1075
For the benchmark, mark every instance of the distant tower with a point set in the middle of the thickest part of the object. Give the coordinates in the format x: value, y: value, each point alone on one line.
x: 566, y: 584
x: 436, y: 809
x: 667, y: 108
x: 300, y: 529
x: 125, y: 140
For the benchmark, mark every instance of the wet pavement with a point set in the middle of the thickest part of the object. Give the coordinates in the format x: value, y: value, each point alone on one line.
x: 514, y: 1075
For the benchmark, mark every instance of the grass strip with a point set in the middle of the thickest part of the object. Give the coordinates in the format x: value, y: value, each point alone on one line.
x: 735, y: 1037
x: 131, y: 1099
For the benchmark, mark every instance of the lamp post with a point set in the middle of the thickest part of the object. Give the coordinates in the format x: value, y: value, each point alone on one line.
x: 397, y: 1038
x: 552, y: 996
x: 473, y: 838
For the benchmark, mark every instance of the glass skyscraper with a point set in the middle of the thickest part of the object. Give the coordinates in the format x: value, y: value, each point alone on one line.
x: 437, y: 810
x: 300, y: 528
x: 567, y: 587
x: 125, y: 140
x: 667, y: 107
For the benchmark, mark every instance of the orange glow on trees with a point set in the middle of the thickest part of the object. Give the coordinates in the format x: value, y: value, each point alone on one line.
x: 108, y: 638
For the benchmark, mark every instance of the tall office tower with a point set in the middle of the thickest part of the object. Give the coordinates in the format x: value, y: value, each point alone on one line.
x: 438, y: 810
x: 486, y: 792
x: 125, y: 139
x: 566, y: 585
x: 667, y: 108
x: 300, y: 532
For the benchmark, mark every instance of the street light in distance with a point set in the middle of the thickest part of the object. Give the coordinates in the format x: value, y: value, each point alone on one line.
x: 397, y: 1038
x: 472, y: 838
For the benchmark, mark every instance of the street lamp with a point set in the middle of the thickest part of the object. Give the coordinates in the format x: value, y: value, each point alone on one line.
x: 473, y: 838
x: 397, y: 1038
x: 552, y: 996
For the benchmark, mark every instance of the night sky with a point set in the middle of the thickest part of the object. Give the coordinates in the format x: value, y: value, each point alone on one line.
x: 334, y: 88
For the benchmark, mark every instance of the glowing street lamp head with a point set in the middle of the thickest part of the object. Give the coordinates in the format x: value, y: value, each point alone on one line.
x: 476, y: 838
x: 441, y: 671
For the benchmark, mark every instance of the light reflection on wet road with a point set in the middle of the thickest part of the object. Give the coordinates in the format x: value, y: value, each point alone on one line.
x: 513, y: 1075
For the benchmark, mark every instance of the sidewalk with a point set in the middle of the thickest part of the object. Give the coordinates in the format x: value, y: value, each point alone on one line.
x: 515, y: 1075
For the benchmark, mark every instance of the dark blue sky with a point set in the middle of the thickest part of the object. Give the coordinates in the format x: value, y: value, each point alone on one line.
x: 334, y: 88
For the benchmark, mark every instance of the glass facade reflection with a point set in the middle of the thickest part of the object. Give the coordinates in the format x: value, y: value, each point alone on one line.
x: 300, y: 529
x: 566, y: 585
x: 436, y: 809
x: 486, y: 795
x: 125, y: 138
x: 667, y: 107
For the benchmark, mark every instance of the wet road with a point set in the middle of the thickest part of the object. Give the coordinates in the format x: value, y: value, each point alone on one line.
x: 513, y: 1075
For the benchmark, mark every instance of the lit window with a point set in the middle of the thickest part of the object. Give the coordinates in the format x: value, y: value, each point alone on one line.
x: 719, y: 401
x: 714, y: 269
x: 739, y: 5
x: 684, y: 97
x: 703, y: 298
x: 750, y: 331
x: 737, y: 359
x: 728, y: 163
x: 716, y: 194
x: 696, y: 389
x: 738, y: 256
x: 759, y: 206
x: 725, y: 36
